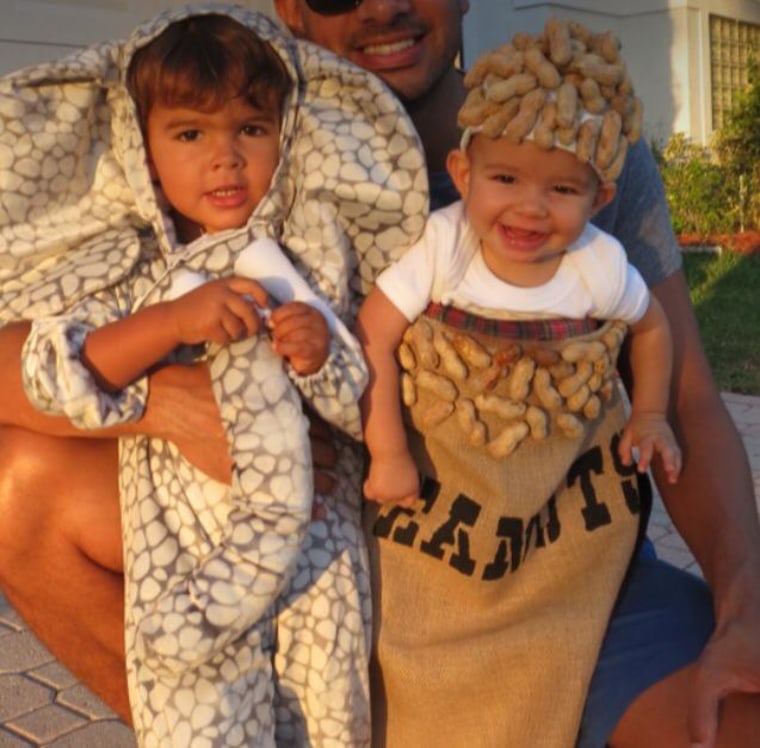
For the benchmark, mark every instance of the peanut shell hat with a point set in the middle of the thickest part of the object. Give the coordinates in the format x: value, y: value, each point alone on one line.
x: 565, y: 88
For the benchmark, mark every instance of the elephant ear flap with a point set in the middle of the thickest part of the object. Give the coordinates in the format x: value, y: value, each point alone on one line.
x: 64, y: 196
x: 357, y: 168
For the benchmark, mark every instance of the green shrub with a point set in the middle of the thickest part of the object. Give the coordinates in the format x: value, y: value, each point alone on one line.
x: 737, y: 144
x: 699, y: 191
x: 717, y: 193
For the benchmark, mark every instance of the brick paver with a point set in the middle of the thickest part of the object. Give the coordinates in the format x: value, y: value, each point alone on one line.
x: 42, y: 704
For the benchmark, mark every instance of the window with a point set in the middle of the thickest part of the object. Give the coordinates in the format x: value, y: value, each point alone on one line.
x: 732, y: 44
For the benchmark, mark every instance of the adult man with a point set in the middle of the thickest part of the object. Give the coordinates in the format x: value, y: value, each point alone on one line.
x: 60, y: 549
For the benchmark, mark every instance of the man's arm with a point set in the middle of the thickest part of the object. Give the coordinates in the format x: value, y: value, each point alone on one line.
x: 15, y: 408
x: 713, y: 507
x: 180, y: 408
x: 712, y: 504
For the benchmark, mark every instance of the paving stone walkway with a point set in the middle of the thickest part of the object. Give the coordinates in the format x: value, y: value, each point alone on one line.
x: 670, y: 546
x: 42, y: 704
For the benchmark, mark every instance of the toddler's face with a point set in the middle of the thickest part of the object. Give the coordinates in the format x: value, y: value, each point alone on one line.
x: 526, y: 204
x: 213, y: 167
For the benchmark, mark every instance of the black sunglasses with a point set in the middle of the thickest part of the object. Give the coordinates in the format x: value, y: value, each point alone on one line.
x: 333, y: 7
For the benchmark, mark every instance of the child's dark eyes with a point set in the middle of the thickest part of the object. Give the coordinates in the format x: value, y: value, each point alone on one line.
x: 504, y: 178
x: 565, y: 189
x: 188, y: 136
x: 253, y: 130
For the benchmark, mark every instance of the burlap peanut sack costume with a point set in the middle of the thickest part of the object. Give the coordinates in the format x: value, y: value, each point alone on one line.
x: 492, y: 592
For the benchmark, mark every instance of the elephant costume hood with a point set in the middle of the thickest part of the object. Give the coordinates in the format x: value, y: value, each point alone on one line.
x: 76, y: 194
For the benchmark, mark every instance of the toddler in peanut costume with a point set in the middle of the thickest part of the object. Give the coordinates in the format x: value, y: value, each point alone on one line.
x: 495, y: 578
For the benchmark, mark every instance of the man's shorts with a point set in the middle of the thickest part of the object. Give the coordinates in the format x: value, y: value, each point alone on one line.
x: 661, y: 623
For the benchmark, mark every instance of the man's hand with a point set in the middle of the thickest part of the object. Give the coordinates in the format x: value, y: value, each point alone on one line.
x: 181, y: 409
x: 729, y: 664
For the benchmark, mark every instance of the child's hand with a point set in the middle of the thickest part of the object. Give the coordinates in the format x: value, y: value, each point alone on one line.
x: 650, y: 433
x: 301, y: 336
x: 220, y: 311
x: 393, y: 479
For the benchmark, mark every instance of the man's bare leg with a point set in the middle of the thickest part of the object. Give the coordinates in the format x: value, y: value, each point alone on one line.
x: 60, y: 553
x: 658, y: 717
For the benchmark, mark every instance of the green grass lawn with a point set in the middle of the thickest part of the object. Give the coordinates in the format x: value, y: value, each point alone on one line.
x: 725, y: 290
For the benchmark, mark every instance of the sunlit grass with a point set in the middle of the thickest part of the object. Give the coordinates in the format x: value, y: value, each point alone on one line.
x: 725, y: 290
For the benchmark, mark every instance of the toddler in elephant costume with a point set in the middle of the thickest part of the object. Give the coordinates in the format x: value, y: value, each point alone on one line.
x: 133, y: 206
x: 506, y: 319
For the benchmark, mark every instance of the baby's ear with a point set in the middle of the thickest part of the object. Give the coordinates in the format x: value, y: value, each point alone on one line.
x: 605, y: 194
x: 458, y: 166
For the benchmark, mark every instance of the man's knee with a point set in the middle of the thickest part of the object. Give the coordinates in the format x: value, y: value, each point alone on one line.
x: 50, y: 488
x: 23, y: 475
x: 659, y: 716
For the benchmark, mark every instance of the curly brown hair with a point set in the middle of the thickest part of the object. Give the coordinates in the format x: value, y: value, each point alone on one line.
x: 203, y: 61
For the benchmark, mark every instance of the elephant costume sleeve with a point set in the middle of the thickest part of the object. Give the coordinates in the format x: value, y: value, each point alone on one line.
x: 81, y: 227
x: 58, y: 383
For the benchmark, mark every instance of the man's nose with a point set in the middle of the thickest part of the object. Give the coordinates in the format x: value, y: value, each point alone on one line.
x: 383, y: 10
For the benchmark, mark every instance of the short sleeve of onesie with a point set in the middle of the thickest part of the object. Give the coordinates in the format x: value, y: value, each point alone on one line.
x: 433, y: 262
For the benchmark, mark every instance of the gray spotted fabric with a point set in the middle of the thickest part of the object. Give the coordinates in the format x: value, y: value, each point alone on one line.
x: 247, y: 622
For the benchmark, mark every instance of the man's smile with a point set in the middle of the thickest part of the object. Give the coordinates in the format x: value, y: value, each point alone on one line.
x: 388, y: 48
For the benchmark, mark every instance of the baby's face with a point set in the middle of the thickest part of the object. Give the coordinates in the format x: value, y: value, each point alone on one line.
x: 214, y: 167
x: 526, y: 204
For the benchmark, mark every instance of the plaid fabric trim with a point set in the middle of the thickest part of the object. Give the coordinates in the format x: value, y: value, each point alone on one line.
x: 545, y: 329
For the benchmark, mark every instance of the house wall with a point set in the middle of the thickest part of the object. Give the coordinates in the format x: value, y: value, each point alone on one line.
x: 665, y: 42
x: 34, y: 31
